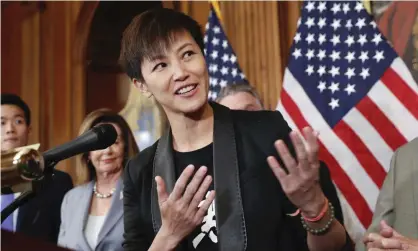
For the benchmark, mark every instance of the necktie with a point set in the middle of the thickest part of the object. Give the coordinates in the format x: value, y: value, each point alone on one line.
x: 6, y: 199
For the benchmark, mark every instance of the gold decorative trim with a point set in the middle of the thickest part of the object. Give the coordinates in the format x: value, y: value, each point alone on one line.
x: 368, y: 6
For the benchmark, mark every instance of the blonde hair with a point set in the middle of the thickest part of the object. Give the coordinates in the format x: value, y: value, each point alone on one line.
x: 85, y: 171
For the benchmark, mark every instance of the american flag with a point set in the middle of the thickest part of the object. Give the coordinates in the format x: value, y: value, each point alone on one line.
x: 220, y: 58
x: 347, y: 82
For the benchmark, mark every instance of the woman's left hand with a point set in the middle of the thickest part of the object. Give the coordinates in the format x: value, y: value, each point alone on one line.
x: 301, y: 183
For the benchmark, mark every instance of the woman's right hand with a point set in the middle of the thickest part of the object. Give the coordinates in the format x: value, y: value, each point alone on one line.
x: 180, y: 211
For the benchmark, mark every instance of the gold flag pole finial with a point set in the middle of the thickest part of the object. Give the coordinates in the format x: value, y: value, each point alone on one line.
x: 215, y: 5
x: 368, y: 6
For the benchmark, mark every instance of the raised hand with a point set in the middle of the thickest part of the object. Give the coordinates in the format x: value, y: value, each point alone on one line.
x: 301, y: 183
x: 180, y: 211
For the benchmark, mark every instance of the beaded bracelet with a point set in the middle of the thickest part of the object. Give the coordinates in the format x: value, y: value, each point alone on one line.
x: 322, y: 230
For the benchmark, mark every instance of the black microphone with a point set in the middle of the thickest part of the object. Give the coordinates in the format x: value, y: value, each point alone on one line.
x: 99, y: 137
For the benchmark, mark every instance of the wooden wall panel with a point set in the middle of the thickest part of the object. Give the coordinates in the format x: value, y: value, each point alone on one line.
x: 46, y: 80
x: 103, y: 87
x: 198, y: 10
x: 37, y: 46
x: 30, y: 70
x: 261, y: 34
x: 11, y: 41
x: 61, y: 81
x: 66, y: 68
x: 83, y: 15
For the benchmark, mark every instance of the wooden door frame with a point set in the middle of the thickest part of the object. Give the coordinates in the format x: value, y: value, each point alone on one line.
x: 79, y: 54
x: 79, y: 63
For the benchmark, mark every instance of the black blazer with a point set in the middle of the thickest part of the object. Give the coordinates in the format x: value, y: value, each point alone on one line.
x: 41, y: 216
x: 251, y: 208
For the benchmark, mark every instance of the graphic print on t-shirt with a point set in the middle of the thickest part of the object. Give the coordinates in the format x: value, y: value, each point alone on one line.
x: 208, y: 227
x: 205, y: 236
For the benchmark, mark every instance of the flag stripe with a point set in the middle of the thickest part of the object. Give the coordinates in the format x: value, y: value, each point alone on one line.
x: 340, y: 157
x: 351, y: 222
x: 287, y: 117
x: 377, y: 118
x: 338, y: 175
x: 370, y: 138
x: 345, y: 158
x: 394, y: 110
x: 401, y: 90
x: 402, y: 70
x: 373, y: 168
x: 354, y: 196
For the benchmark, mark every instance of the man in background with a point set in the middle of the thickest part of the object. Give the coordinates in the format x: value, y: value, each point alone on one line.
x: 240, y: 96
x: 395, y: 221
x: 39, y: 217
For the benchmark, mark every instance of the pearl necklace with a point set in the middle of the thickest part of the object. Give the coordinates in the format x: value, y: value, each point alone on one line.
x: 100, y: 195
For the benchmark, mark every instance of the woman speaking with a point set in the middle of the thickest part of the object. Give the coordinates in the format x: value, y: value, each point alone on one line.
x: 217, y: 179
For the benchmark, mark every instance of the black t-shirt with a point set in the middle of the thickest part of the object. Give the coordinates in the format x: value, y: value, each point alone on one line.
x: 204, y: 237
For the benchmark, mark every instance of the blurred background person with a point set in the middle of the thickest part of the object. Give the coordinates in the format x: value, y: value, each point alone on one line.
x: 398, y: 22
x: 15, y: 122
x: 394, y: 221
x: 240, y: 96
x: 92, y: 213
x: 40, y: 216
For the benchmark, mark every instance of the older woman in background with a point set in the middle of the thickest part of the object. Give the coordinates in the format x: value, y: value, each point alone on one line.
x: 91, y: 214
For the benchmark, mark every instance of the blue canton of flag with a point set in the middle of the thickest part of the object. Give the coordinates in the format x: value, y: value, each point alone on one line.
x: 220, y: 58
x: 338, y: 54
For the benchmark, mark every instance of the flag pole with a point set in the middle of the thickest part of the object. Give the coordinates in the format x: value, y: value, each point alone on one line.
x: 368, y: 6
x: 217, y: 9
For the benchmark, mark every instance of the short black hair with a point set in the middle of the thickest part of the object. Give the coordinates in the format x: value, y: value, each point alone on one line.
x: 152, y: 32
x: 13, y: 99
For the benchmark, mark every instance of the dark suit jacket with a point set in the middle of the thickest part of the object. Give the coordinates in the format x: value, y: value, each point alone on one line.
x: 40, y: 217
x: 251, y: 208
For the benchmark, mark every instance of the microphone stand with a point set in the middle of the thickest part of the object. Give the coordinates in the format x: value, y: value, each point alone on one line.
x: 36, y: 187
x: 19, y: 201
